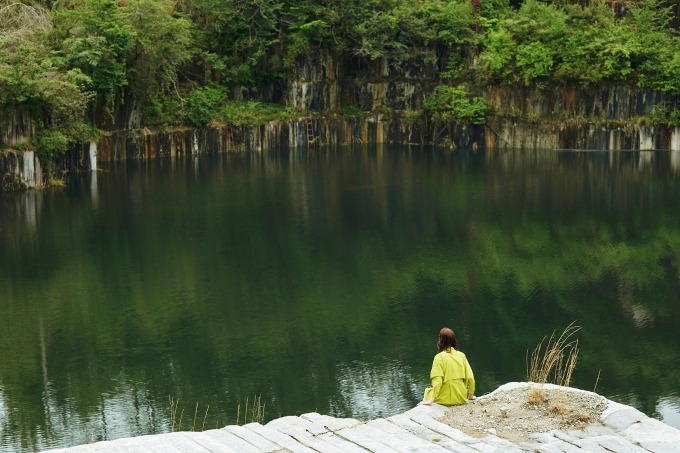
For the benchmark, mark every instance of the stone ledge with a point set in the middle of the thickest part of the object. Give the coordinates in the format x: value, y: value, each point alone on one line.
x: 623, y: 429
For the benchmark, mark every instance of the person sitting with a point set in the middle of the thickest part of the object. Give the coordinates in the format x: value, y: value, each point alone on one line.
x: 452, y: 380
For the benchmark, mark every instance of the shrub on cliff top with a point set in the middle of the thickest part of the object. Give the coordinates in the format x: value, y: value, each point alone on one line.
x: 240, y: 113
x: 205, y: 105
x: 455, y: 104
x: 51, y: 144
x: 201, y: 105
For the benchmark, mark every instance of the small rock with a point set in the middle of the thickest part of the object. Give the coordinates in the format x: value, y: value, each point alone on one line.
x: 491, y: 431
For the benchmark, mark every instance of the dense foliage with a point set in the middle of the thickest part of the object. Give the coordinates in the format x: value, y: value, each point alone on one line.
x: 67, y: 62
x: 542, y: 43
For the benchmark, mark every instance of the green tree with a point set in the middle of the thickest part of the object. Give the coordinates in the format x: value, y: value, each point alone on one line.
x: 232, y: 38
x: 453, y: 21
x: 93, y: 36
x: 34, y: 81
x: 29, y: 75
x: 162, y: 44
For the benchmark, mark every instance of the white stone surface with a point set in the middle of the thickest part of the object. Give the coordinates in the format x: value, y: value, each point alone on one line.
x: 609, y: 443
x: 210, y: 444
x: 654, y: 435
x: 233, y: 441
x: 261, y: 443
x: 343, y: 444
x: 296, y: 425
x: 361, y: 435
x: 283, y: 440
x: 449, y: 444
x: 402, y: 437
x: 623, y: 429
x: 330, y: 423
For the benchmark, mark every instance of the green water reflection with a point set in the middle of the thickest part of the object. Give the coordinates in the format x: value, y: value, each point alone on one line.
x: 319, y: 281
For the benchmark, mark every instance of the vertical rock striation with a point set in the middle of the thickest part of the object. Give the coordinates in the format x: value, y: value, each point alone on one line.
x: 20, y: 170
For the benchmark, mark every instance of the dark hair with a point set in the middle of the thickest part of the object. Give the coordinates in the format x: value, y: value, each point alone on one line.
x: 447, y: 339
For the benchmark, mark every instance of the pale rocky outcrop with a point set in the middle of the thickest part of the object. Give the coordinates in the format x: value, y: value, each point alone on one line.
x: 621, y: 429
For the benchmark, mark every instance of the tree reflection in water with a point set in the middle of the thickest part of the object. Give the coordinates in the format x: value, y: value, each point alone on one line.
x: 319, y: 280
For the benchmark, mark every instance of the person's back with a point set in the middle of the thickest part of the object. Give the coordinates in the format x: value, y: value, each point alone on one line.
x: 456, y: 375
x: 452, y: 379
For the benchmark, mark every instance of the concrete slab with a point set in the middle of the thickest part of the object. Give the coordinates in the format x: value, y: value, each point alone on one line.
x: 342, y: 443
x: 563, y: 436
x: 158, y: 442
x: 209, y: 443
x: 543, y: 438
x: 609, y: 444
x: 454, y: 434
x: 551, y: 448
x: 419, y: 430
x: 319, y: 443
x: 405, y: 439
x: 502, y: 444
x: 368, y: 438
x: 621, y: 418
x: 388, y: 427
x: 590, y: 446
x: 231, y: 440
x: 654, y: 435
x: 183, y: 442
x: 330, y: 423
x: 279, y: 438
x: 591, y: 431
x: 623, y: 429
x: 113, y: 446
x: 297, y: 425
x: 432, y: 410
x: 134, y: 444
x: 79, y: 449
x: 259, y: 442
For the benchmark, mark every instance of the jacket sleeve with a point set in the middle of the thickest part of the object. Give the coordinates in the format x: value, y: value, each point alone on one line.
x: 469, y: 378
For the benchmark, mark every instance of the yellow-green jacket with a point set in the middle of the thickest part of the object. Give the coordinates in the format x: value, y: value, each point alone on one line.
x: 452, y: 378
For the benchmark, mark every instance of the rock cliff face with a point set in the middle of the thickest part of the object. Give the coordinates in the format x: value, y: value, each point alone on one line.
x: 16, y: 127
x: 385, y: 99
x: 19, y: 170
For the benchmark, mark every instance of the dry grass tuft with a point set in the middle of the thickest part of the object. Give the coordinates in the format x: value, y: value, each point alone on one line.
x: 558, y: 407
x: 557, y: 362
x: 254, y: 413
x: 176, y: 423
x: 536, y: 396
x: 554, y: 364
x: 582, y: 418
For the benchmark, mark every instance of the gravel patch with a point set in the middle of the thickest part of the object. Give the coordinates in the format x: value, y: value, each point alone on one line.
x: 516, y: 413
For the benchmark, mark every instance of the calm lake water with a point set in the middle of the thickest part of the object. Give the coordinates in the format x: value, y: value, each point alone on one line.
x: 319, y: 281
